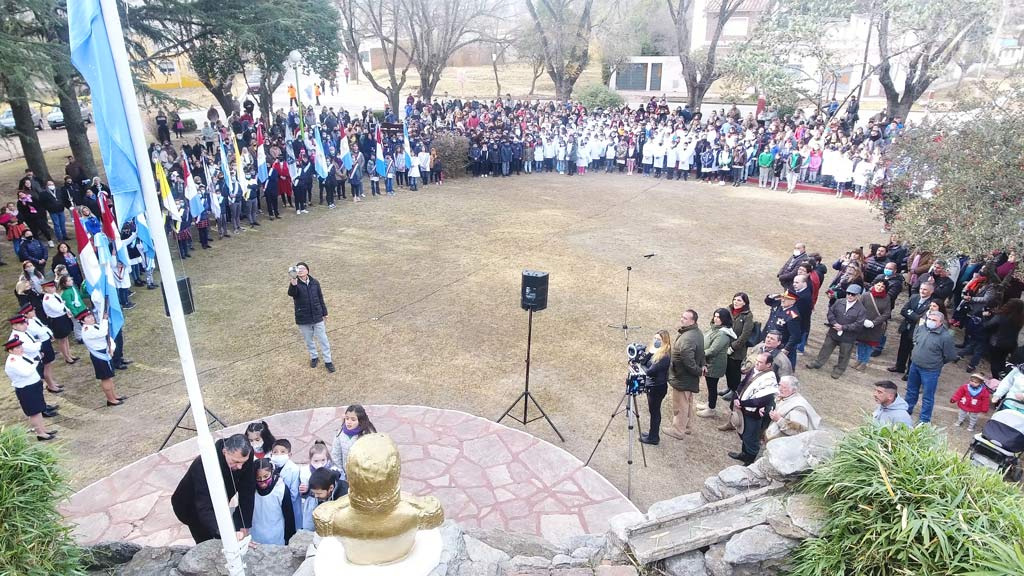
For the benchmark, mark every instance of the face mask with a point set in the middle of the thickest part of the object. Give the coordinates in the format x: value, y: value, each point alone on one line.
x: 51, y: 188
x: 279, y: 459
x: 257, y: 446
x: 931, y: 324
x: 264, y: 483
x: 887, y: 272
x: 796, y: 252
x: 657, y: 343
x: 30, y: 269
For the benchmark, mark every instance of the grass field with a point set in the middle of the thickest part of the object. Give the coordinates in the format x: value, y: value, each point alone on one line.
x: 423, y: 293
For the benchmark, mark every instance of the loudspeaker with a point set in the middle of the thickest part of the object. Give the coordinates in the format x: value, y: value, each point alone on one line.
x: 185, y: 291
x: 534, y: 290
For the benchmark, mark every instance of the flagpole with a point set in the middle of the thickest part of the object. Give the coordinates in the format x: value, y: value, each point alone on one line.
x: 207, y: 451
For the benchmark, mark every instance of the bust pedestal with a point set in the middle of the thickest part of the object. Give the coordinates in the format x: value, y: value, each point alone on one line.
x: 424, y: 557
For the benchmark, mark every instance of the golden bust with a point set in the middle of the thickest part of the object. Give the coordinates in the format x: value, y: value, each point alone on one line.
x: 376, y: 522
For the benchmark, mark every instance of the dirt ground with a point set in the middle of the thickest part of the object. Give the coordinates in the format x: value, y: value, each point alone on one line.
x: 423, y: 293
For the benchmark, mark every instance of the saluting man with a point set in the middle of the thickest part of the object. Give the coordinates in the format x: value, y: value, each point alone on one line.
x: 96, y: 339
x: 785, y: 318
x: 28, y: 387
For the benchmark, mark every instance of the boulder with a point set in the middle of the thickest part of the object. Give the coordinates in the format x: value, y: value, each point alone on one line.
x: 619, y: 524
x: 714, y: 562
x: 806, y: 513
x: 154, y: 562
x: 478, y: 569
x: 106, y: 555
x: 588, y: 555
x: 482, y: 553
x: 676, y: 505
x: 306, y: 568
x: 790, y: 455
x: 453, y: 551
x: 587, y: 541
x: 301, y: 541
x: 689, y: 564
x: 516, y: 544
x: 207, y: 559
x: 741, y: 477
x: 523, y: 565
x: 761, y: 468
x: 714, y: 489
x: 758, y: 544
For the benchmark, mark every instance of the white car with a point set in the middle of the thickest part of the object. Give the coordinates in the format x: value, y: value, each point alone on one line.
x: 56, y: 116
x: 7, y: 121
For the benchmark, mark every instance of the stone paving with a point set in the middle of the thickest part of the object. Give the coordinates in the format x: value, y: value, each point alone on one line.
x: 485, y: 474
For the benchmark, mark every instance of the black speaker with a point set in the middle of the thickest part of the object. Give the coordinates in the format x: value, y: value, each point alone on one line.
x: 185, y: 291
x: 534, y: 290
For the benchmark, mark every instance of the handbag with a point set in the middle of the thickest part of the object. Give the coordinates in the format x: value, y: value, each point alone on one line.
x: 15, y: 230
x: 736, y: 419
x: 755, y: 335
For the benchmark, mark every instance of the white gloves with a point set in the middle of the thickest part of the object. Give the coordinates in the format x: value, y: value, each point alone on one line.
x: 868, y: 323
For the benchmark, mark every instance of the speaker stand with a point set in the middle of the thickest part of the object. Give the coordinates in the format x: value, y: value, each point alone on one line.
x: 179, y: 426
x: 526, y: 397
x: 625, y: 327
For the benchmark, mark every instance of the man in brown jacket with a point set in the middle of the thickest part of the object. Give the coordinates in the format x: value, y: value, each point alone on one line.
x: 845, y: 320
x: 684, y: 373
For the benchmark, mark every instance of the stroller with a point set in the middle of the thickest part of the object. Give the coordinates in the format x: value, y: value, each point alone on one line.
x: 1000, y: 445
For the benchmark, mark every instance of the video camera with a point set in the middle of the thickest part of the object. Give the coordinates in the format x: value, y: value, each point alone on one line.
x: 636, y: 381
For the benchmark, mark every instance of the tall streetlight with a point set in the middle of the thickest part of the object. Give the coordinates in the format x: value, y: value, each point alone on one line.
x: 294, y: 58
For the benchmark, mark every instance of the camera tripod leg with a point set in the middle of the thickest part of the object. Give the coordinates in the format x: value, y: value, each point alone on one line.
x: 615, y: 413
x: 639, y: 427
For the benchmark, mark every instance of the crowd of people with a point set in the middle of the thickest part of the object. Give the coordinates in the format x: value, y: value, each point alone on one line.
x: 759, y: 361
x: 276, y: 495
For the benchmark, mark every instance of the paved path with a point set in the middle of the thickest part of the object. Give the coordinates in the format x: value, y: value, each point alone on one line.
x: 485, y: 474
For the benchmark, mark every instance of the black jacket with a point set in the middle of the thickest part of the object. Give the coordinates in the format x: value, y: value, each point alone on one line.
x: 657, y: 372
x: 191, y: 499
x: 309, y: 301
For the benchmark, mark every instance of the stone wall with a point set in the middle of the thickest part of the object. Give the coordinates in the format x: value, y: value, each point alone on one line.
x: 744, y: 522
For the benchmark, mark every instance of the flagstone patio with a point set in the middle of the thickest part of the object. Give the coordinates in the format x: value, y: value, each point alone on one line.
x: 485, y: 474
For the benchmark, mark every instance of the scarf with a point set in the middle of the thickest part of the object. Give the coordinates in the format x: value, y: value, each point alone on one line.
x: 737, y: 311
x: 352, y: 433
x: 878, y: 293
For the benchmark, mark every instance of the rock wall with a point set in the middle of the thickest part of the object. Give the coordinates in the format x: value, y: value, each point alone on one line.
x: 744, y: 522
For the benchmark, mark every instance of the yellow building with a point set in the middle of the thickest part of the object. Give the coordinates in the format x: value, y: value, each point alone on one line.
x: 173, y: 72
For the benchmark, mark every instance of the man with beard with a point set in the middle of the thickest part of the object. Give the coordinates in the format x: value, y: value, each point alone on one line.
x: 684, y: 374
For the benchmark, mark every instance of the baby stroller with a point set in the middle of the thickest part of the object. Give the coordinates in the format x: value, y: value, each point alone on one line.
x: 1000, y: 445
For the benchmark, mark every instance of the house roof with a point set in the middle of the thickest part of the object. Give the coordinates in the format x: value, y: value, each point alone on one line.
x: 745, y: 6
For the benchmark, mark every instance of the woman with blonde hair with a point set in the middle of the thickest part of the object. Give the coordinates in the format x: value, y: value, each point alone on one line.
x: 657, y: 383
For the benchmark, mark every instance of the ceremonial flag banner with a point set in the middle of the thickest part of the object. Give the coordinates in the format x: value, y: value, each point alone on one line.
x: 406, y: 146
x: 321, y: 154
x: 346, y: 150
x: 195, y: 201
x: 165, y: 195
x: 224, y: 169
x: 261, y: 156
x: 243, y: 182
x: 382, y: 167
x: 91, y: 55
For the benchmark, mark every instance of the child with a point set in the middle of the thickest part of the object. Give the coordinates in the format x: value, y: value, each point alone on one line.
x: 260, y: 438
x: 356, y: 424
x: 280, y: 455
x: 325, y: 485
x: 389, y: 178
x: 273, y: 521
x: 371, y: 168
x: 319, y: 461
x: 972, y: 398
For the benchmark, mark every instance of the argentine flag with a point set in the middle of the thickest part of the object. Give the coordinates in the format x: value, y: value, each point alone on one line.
x: 262, y: 174
x: 320, y: 160
x: 346, y: 151
x: 224, y: 168
x: 146, y: 238
x: 382, y: 167
x: 406, y: 146
x: 195, y: 201
x: 107, y: 286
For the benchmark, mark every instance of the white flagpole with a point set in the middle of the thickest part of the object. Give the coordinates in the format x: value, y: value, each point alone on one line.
x: 207, y: 451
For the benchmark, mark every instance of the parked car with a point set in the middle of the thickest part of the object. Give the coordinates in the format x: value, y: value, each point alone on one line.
x: 56, y: 116
x: 7, y: 121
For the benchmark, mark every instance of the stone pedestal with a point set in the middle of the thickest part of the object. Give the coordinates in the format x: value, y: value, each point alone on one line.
x: 425, y: 556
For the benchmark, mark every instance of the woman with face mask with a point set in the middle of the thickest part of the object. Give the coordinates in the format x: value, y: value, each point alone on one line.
x: 657, y: 382
x: 273, y: 521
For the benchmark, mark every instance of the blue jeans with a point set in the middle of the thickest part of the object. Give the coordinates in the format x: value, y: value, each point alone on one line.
x: 58, y: 225
x: 929, y: 381
x: 864, y: 352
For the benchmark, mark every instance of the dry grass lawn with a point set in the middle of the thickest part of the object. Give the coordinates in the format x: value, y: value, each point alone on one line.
x: 423, y: 293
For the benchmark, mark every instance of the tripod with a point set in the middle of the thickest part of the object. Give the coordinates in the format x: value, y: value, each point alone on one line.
x: 632, y: 422
x: 625, y: 327
x: 526, y: 397
x: 179, y: 426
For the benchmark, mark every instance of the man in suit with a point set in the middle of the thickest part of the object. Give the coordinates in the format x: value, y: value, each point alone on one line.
x: 191, y: 500
x: 912, y: 312
x: 846, y: 320
x: 791, y: 268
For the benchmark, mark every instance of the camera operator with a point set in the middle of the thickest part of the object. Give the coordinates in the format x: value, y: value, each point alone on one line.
x: 310, y: 311
x: 657, y: 383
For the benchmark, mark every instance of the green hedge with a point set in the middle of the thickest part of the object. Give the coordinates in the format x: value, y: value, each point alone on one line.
x: 599, y: 96
x: 190, y: 124
x: 899, y: 501
x: 454, y: 154
x: 33, y: 537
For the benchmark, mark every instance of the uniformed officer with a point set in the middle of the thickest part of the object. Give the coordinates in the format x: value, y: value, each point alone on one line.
x: 58, y: 318
x: 784, y: 318
x: 42, y: 334
x: 28, y: 387
x: 96, y: 339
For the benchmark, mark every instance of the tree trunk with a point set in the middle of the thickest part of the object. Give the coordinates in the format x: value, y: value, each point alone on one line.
x: 695, y: 92
x: 74, y: 124
x: 606, y: 72
x: 30, y: 148
x: 538, y: 71
x: 429, y: 79
x: 393, y: 96
x: 497, y: 82
x: 222, y: 94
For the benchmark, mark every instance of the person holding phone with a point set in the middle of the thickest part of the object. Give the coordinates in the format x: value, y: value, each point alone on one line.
x: 310, y: 311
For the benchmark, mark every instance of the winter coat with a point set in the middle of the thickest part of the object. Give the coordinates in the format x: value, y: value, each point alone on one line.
x: 716, y: 345
x: 851, y: 320
x: 193, y: 505
x: 743, y: 327
x: 879, y: 317
x: 309, y: 301
x: 976, y: 403
x: 687, y: 360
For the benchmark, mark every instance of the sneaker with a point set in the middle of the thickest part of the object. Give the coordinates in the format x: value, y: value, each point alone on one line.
x: 329, y: 366
x: 304, y: 212
x: 960, y: 423
x: 298, y: 211
x: 50, y: 243
x: 707, y: 413
x: 700, y: 405
x: 313, y: 362
x: 970, y: 428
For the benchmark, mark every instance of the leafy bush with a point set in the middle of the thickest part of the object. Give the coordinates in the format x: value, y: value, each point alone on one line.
x: 454, y: 154
x: 899, y: 501
x: 599, y: 96
x: 189, y: 124
x: 33, y: 537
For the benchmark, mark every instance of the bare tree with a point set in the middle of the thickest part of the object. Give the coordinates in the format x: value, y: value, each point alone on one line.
x: 699, y: 66
x: 439, y: 28
x: 564, y: 28
x: 385, y: 21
